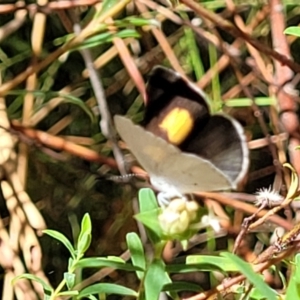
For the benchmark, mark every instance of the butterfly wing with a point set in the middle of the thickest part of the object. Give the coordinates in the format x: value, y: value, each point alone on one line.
x: 145, y: 146
x: 165, y: 163
x: 166, y: 88
x: 222, y: 142
x: 218, y: 138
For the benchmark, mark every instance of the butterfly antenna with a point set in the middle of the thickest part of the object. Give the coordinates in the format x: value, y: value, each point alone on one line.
x: 124, y: 178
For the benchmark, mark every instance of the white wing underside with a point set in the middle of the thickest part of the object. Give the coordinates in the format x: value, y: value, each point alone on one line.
x: 167, y: 166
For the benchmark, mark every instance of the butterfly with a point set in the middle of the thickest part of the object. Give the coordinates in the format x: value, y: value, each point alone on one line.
x: 182, y: 146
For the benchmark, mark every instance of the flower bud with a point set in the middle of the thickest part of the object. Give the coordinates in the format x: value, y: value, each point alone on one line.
x: 176, y: 218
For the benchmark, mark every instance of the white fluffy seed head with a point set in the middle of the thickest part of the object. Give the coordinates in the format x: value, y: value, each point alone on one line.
x: 268, y: 196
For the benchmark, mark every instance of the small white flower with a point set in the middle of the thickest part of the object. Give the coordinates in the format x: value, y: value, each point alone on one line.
x: 268, y: 196
x: 212, y: 221
x: 178, y: 216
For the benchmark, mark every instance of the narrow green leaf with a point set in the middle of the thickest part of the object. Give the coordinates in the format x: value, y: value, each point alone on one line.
x: 293, y: 289
x: 63, y: 39
x: 182, y: 286
x: 255, y: 294
x: 216, y: 86
x: 193, y: 49
x: 297, y: 267
x: 68, y: 293
x: 70, y: 263
x: 84, y: 243
x: 149, y: 214
x: 77, y: 101
x: 150, y: 220
x: 108, y: 5
x: 187, y: 268
x: 294, y: 182
x: 136, y: 249
x: 147, y: 200
x: 86, y: 224
x: 47, y: 289
x: 110, y: 8
x: 204, y: 261
x: 292, y: 30
x: 155, y: 279
x: 106, y: 37
x: 247, y: 102
x: 85, y: 238
x: 67, y: 98
x: 91, y: 297
x: 127, y: 33
x: 98, y: 39
x: 103, y: 262
x: 70, y: 279
x: 15, y: 106
x: 46, y: 297
x: 136, y: 21
x: 107, y: 288
x: 253, y: 277
x: 116, y: 259
x: 60, y: 237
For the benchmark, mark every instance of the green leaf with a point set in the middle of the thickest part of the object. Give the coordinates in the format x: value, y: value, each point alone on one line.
x: 108, y: 5
x: 148, y: 215
x: 46, y: 297
x: 85, y: 237
x: 63, y: 39
x: 150, y: 220
x: 193, y: 50
x: 46, y: 288
x: 68, y: 293
x: 67, y: 98
x: 136, y: 21
x: 116, y: 259
x: 294, y: 182
x: 91, y: 297
x: 15, y: 106
x: 215, y: 83
x: 253, y: 277
x: 136, y: 249
x: 70, y: 279
x: 181, y: 286
x: 127, y: 33
x: 247, y: 102
x: 106, y: 37
x: 86, y: 224
x: 70, y: 263
x: 205, y: 262
x: 60, y: 237
x: 77, y: 101
x: 106, y: 288
x: 155, y: 279
x: 293, y: 289
x: 103, y: 262
x: 96, y: 40
x: 110, y: 8
x: 292, y: 30
x: 187, y: 268
x: 147, y: 200
x: 84, y: 243
x: 255, y: 294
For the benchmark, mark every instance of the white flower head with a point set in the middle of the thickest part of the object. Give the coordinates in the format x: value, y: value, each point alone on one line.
x: 268, y: 196
x: 178, y: 216
x: 212, y: 221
